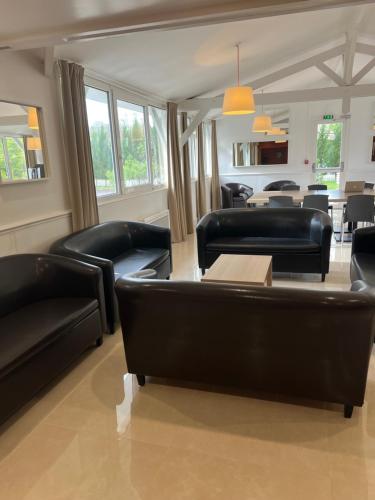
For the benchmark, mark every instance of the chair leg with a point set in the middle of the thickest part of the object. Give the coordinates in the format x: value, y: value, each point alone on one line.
x: 323, y: 277
x: 99, y: 341
x: 348, y: 411
x: 141, y: 379
x: 203, y: 271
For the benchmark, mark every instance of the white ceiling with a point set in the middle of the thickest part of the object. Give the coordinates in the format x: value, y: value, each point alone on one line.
x: 200, y: 61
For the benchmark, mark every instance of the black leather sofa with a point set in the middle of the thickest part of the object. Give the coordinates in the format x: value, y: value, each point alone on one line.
x: 51, y: 310
x: 362, y: 266
x: 234, y: 195
x: 298, y: 239
x: 277, y: 185
x: 119, y: 248
x: 307, y: 344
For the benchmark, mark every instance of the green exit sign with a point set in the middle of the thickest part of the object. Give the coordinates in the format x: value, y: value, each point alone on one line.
x: 328, y: 117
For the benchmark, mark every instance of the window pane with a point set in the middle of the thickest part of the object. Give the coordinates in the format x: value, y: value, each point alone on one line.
x: 17, y: 158
x: 158, y: 138
x: 101, y: 141
x: 3, y: 166
x: 133, y: 143
x: 329, y: 145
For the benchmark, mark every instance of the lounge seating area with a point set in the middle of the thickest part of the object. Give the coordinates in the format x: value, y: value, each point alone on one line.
x: 187, y: 250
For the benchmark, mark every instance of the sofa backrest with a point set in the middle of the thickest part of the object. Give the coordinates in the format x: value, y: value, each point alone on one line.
x: 266, y: 222
x: 20, y: 282
x: 107, y: 240
x: 314, y: 344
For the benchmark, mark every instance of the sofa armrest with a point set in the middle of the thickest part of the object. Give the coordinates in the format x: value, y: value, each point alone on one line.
x: 207, y: 229
x: 363, y: 240
x: 321, y: 229
x: 64, y: 277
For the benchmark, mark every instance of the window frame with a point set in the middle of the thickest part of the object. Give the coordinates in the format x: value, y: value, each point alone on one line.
x: 114, y: 94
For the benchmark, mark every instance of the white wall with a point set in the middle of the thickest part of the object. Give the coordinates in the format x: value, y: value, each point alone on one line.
x: 303, y: 120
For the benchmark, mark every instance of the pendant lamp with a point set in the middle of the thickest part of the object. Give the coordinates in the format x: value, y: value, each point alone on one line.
x: 262, y: 123
x: 238, y: 100
x: 33, y: 143
x: 32, y: 118
x: 276, y: 131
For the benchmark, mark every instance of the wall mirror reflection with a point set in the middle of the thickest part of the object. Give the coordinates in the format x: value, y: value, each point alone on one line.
x: 247, y: 154
x: 22, y: 150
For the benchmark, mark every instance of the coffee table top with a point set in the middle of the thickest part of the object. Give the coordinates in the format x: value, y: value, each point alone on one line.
x: 241, y: 270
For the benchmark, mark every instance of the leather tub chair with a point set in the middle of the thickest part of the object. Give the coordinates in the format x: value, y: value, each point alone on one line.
x: 119, y: 248
x: 51, y: 310
x: 235, y: 195
x: 277, y: 185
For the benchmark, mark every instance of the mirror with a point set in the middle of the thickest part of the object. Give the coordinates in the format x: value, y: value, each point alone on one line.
x: 22, y: 150
x: 247, y: 154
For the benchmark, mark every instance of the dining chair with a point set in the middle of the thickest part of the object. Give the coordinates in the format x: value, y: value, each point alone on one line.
x: 369, y: 185
x: 317, y: 187
x: 290, y: 187
x: 281, y: 201
x: 359, y: 208
x: 317, y: 201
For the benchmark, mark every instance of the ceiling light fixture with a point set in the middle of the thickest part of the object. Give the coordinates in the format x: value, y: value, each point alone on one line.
x: 238, y: 100
x: 276, y: 131
x: 262, y: 123
x: 32, y: 118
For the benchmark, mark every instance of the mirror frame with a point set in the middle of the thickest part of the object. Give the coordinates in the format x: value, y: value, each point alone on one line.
x: 42, y: 136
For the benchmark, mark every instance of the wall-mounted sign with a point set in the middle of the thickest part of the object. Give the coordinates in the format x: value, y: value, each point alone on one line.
x: 328, y: 117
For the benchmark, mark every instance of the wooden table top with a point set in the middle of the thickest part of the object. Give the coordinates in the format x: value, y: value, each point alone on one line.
x: 241, y: 270
x: 334, y: 196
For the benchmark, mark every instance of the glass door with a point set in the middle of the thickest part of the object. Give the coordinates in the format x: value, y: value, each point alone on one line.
x: 328, y: 162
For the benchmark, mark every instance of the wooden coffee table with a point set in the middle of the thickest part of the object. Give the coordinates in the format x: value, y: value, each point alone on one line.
x: 241, y: 270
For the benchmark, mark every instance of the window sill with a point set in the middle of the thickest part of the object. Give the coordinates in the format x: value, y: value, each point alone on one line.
x: 116, y: 198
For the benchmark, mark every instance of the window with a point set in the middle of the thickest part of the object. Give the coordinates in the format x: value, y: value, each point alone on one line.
x: 98, y: 113
x: 128, y: 142
x: 207, y: 148
x: 158, y: 145
x: 133, y: 144
x: 13, y: 159
x: 328, y: 154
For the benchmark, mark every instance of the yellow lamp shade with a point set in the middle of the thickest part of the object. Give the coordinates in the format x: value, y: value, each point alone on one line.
x: 262, y: 123
x: 33, y: 143
x: 276, y: 131
x: 32, y: 119
x: 238, y: 101
x: 281, y: 142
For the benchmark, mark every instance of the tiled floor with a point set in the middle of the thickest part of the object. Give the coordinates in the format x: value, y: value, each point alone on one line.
x: 96, y: 435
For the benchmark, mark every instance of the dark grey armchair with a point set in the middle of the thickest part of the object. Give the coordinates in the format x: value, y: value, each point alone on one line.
x: 235, y: 195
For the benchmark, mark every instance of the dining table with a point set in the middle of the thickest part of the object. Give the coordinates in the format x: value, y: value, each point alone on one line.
x: 334, y: 195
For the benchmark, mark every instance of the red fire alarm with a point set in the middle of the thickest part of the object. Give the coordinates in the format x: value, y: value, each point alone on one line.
x: 307, y: 162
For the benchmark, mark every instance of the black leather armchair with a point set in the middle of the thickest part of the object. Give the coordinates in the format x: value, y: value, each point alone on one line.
x: 277, y: 185
x: 119, y: 248
x: 298, y: 239
x: 235, y: 195
x: 362, y: 265
x: 51, y: 310
x: 322, y: 354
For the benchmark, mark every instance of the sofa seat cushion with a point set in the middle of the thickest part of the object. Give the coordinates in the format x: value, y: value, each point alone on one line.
x: 138, y: 259
x: 26, y: 331
x: 363, y: 268
x: 251, y: 244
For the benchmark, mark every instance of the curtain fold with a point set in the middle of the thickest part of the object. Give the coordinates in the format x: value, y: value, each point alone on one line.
x: 186, y: 174
x: 215, y: 179
x: 176, y: 201
x: 77, y: 146
x: 201, y: 182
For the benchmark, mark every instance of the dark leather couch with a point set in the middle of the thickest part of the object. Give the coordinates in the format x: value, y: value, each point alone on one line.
x: 277, y: 185
x: 51, y: 310
x: 234, y: 195
x: 119, y: 248
x: 298, y: 239
x: 362, y: 267
x: 308, y: 344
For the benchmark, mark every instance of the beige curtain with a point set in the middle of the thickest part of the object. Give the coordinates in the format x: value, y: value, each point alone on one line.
x: 186, y: 174
x: 77, y: 146
x: 215, y: 179
x: 201, y: 182
x: 176, y: 201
